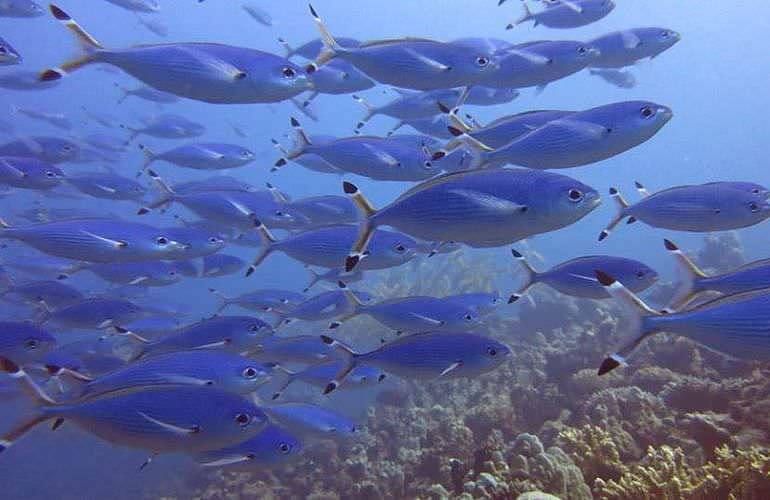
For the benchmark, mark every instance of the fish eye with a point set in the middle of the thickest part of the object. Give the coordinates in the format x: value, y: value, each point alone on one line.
x: 491, y: 351
x: 242, y: 419
x: 575, y: 195
x: 278, y: 213
x: 31, y: 343
x: 640, y: 274
x: 50, y: 174
x: 213, y: 240
x: 755, y: 190
x: 665, y: 33
x: 428, y: 164
x: 754, y: 207
x: 161, y: 240
x: 288, y: 72
x: 582, y: 51
x: 468, y: 316
x: 246, y: 154
x: 285, y: 448
x: 249, y: 372
x: 66, y: 148
x: 400, y: 248
x: 647, y: 112
x: 482, y: 61
x: 254, y: 328
x: 3, y: 50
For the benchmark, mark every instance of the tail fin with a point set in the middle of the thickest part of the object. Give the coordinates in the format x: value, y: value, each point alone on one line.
x: 126, y: 93
x: 524, y: 17
x: 531, y: 276
x: 348, y: 360
x: 149, y: 156
x: 689, y: 274
x: 277, y: 195
x: 88, y: 46
x: 224, y: 301
x: 641, y: 189
x: 354, y: 302
x: 304, y: 108
x: 619, y: 216
x: 370, y: 111
x: 167, y: 194
x: 454, y: 117
x: 331, y: 47
x: 301, y: 143
x: 635, y: 312
x: 367, y: 228
x: 314, y: 278
x: 479, y: 150
x: 35, y: 392
x: 290, y: 377
x: 265, y: 249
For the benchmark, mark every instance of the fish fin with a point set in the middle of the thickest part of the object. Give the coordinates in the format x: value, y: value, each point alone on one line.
x: 88, y: 46
x: 167, y: 194
x: 366, y: 230
x: 526, y: 16
x: 530, y: 279
x: 531, y: 57
x: 351, y: 297
x: 267, y: 246
x: 174, y: 429
x: 630, y: 39
x: 27, y: 383
x: 635, y: 312
x: 106, y: 189
x: 277, y: 195
x: 383, y: 156
x: 449, y: 369
x: 456, y: 121
x: 117, y: 244
x: 575, y: 7
x: 301, y: 143
x: 16, y: 172
x: 348, y: 362
x: 641, y: 189
x: 489, y: 201
x: 290, y: 377
x: 304, y: 108
x: 176, y: 379
x: 225, y: 301
x: 119, y: 330
x: 314, y: 278
x: 285, y: 45
x: 331, y: 48
x: 213, y: 345
x: 431, y: 63
x: 429, y: 320
x: 229, y: 460
x: 370, y: 111
x: 621, y: 213
x: 689, y: 274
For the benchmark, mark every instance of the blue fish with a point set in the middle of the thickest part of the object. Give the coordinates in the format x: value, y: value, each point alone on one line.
x: 304, y: 349
x: 148, y: 94
x: 506, y: 129
x: 8, y: 55
x: 714, y: 206
x: 319, y: 374
x: 107, y: 186
x: 168, y: 126
x: 24, y: 342
x: 147, y: 6
x: 332, y: 276
x: 156, y: 419
x: 576, y: 277
x: 411, y: 63
x: 58, y: 120
x: 326, y: 210
x: 271, y: 447
x: 482, y: 208
x: 257, y: 13
x: 25, y: 81
x: 152, y: 273
x: 209, y: 72
x: 618, y: 78
x: 425, y: 356
x: 49, y: 149
x: 96, y: 313
x: 269, y: 300
x: 736, y: 325
x: 624, y: 48
x: 326, y: 305
x: 192, y: 242
x: 307, y: 419
x: 328, y: 246
x: 203, y: 156
x: 20, y: 8
x: 221, y: 265
x: 563, y: 14
x: 29, y: 173
x: 53, y: 292
x: 105, y: 142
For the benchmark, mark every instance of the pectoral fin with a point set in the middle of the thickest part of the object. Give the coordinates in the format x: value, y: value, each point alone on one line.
x: 449, y: 369
x: 114, y: 243
x: 574, y: 6
x: 174, y: 429
x: 438, y: 66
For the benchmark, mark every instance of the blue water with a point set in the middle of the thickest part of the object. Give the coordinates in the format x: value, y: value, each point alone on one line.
x: 714, y: 80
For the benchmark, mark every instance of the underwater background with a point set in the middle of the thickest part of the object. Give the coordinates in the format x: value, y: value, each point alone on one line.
x: 680, y: 422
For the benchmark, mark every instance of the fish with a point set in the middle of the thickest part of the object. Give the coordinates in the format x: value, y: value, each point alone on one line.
x: 268, y: 300
x: 257, y: 13
x: 95, y: 313
x: 332, y: 276
x: 29, y: 173
x: 304, y: 349
x: 8, y: 55
x: 221, y: 265
x: 310, y: 161
x: 483, y: 302
x: 580, y: 138
x: 44, y: 148
x: 412, y: 63
x: 538, y: 63
x: 214, y: 183
x: 621, y: 79
x: 202, y: 156
x: 214, y: 369
x: 209, y: 72
x: 336, y: 78
x: 192, y: 243
x: 106, y: 142
x: 310, y: 420
x: 154, y: 26
x: 325, y: 305
x: 326, y: 210
x: 486, y: 45
x: 735, y: 325
x: 272, y: 446
x: 576, y: 277
x: 229, y: 333
x: 312, y: 49
x: 53, y: 292
x: 623, y: 48
x: 328, y: 246
x: 95, y: 240
x: 714, y: 206
x: 156, y: 419
x: 379, y: 158
x: 24, y: 342
x: 147, y: 6
x: 565, y: 14
x: 694, y: 282
x: 20, y: 8
x: 107, y: 186
x: 319, y: 374
x: 148, y: 94
x: 412, y: 314
x: 168, y: 126
x: 506, y: 129
x: 151, y: 273
x: 424, y: 356
x: 479, y: 208
x: 58, y: 120
x: 25, y: 81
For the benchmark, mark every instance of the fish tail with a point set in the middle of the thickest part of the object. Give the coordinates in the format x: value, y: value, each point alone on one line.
x: 167, y: 194
x: 689, y: 274
x: 149, y: 156
x: 266, y: 247
x: 352, y: 300
x: 530, y: 278
x: 622, y: 205
x: 636, y: 313
x: 526, y: 16
x: 4, y: 224
x: 370, y: 111
x: 88, y: 45
x: 124, y: 93
x: 288, y: 378
x: 223, y: 300
x: 276, y: 193
x: 37, y: 394
x: 479, y: 151
x: 454, y: 117
x: 314, y: 278
x: 301, y: 144
x: 304, y: 108
x: 348, y: 358
x: 331, y: 47
x: 366, y: 230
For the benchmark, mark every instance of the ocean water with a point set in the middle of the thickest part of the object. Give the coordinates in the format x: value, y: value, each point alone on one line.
x: 676, y: 401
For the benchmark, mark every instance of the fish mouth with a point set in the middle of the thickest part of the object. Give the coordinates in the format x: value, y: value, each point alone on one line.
x: 593, y: 200
x: 665, y: 112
